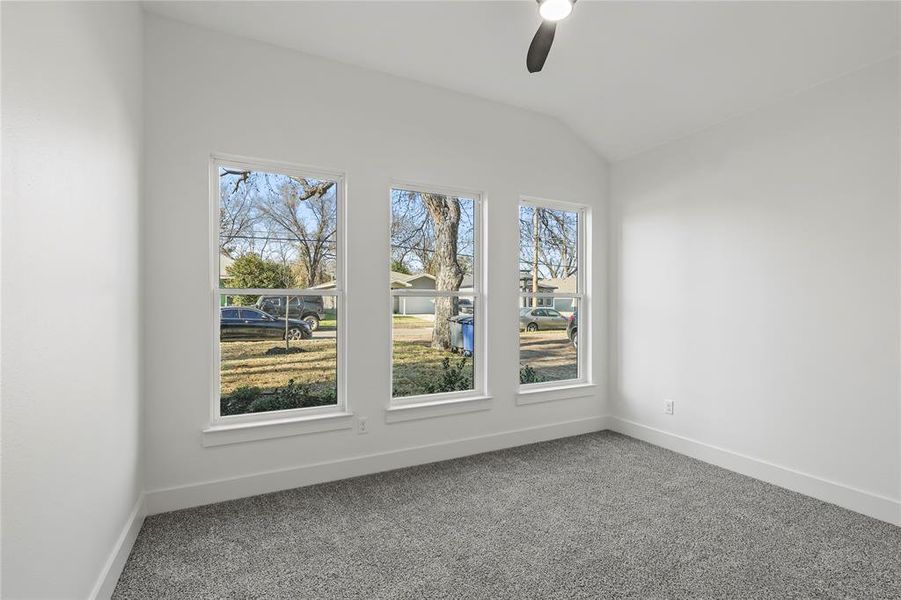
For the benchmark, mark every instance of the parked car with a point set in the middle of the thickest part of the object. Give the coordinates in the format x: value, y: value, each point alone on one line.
x: 572, y: 329
x: 465, y: 306
x: 535, y: 319
x: 251, y: 324
x: 306, y: 308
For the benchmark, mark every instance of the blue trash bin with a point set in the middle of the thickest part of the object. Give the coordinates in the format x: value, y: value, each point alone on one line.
x: 467, y: 323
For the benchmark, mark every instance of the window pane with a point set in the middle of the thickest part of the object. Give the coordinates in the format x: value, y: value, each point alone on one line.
x: 433, y: 354
x: 548, y: 340
x: 275, y: 230
x: 432, y: 241
x: 268, y: 362
x: 548, y: 250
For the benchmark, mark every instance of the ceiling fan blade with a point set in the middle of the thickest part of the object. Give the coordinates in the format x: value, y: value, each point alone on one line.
x: 540, y: 46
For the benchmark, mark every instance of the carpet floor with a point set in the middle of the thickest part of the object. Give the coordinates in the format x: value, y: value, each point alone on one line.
x: 593, y: 516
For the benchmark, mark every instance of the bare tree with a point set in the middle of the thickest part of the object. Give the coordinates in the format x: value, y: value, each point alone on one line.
x: 235, y: 217
x: 557, y: 252
x: 280, y: 211
x: 412, y: 234
x: 313, y: 232
x: 548, y: 245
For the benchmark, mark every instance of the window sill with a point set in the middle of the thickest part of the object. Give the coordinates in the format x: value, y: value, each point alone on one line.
x: 550, y: 394
x: 220, y: 435
x: 440, y: 408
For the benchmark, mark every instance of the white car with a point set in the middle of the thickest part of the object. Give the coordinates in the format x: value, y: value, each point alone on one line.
x: 541, y: 318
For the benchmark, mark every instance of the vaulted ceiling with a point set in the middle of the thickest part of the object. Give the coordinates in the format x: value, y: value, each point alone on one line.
x: 625, y: 76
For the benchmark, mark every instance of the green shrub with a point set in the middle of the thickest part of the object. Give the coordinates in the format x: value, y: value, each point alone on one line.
x: 293, y: 395
x: 452, y: 379
x: 528, y: 375
x: 252, y: 271
x: 239, y: 401
x: 272, y: 402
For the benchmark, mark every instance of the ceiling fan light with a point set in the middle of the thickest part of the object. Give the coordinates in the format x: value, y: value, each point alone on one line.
x: 555, y: 10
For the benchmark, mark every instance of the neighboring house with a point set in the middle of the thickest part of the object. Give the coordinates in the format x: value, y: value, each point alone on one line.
x: 547, y: 286
x: 224, y: 263
x: 563, y: 285
x: 405, y: 305
x: 413, y: 305
x: 525, y: 285
x: 466, y: 285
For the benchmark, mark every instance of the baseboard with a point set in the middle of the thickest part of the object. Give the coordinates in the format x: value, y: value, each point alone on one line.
x: 112, y: 569
x: 175, y: 498
x: 867, y: 503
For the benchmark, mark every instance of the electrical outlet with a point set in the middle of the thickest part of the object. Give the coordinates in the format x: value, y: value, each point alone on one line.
x: 667, y: 406
x: 362, y: 425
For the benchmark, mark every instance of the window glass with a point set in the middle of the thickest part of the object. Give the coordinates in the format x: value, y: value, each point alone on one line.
x: 435, y: 287
x: 278, y: 231
x: 419, y: 367
x: 549, y: 283
x: 276, y: 364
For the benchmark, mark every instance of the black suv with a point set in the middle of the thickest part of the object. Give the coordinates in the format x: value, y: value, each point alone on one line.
x: 572, y: 329
x: 306, y: 308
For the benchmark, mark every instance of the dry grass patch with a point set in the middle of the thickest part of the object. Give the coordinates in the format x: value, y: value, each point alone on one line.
x: 408, y: 322
x: 550, y: 354
x: 246, y: 364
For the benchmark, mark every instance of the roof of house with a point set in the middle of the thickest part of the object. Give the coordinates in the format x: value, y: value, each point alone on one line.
x: 564, y: 285
x: 526, y: 281
x: 398, y: 280
x: 404, y: 279
x: 560, y: 285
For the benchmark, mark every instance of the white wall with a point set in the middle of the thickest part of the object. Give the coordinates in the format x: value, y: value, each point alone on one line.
x: 208, y: 92
x: 757, y: 270
x: 71, y: 134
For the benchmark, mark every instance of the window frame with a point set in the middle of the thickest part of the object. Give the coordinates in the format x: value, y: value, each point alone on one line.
x: 582, y: 294
x: 339, y: 292
x: 478, y: 296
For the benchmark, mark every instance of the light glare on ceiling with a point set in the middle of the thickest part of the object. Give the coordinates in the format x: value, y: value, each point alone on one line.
x: 555, y: 10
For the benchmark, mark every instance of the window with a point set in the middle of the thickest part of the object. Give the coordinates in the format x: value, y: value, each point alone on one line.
x: 435, y: 283
x: 278, y: 238
x: 552, y: 288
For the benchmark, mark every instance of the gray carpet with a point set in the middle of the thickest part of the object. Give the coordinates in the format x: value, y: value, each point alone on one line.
x: 594, y: 516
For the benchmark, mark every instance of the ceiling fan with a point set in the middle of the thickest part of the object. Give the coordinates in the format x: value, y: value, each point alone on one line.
x: 551, y: 11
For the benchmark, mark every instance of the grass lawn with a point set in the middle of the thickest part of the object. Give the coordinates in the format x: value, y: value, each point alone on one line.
x: 416, y: 363
x: 330, y: 321
x: 410, y: 322
x: 246, y: 364
x: 406, y: 321
x: 550, y: 354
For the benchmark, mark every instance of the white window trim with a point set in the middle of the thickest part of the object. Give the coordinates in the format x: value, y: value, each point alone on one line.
x: 581, y: 386
x: 436, y: 408
x: 220, y: 435
x: 237, y: 428
x: 403, y: 408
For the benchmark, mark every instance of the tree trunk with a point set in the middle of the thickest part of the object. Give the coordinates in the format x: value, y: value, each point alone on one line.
x: 445, y: 214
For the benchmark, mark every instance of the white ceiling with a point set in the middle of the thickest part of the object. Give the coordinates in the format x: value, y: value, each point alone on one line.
x: 625, y: 76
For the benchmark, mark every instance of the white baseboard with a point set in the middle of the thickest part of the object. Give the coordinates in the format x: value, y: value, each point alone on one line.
x: 112, y: 569
x: 175, y: 498
x: 867, y: 503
